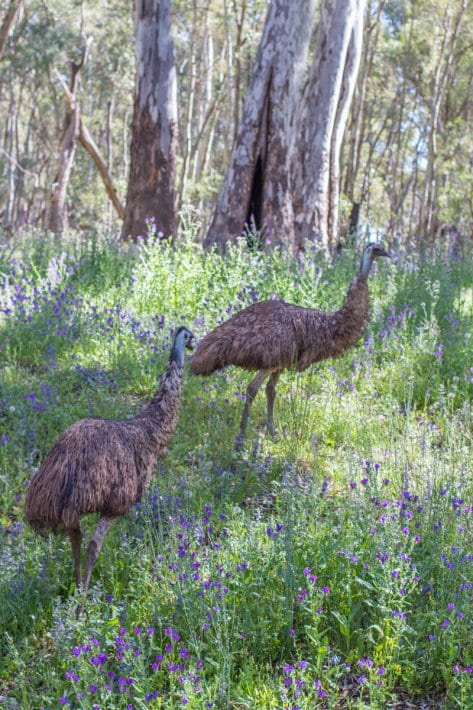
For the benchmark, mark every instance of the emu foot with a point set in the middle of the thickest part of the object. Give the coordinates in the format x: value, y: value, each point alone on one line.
x: 268, y: 424
x: 270, y: 428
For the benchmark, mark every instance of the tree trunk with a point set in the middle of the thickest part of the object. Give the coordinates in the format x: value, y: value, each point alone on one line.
x: 429, y: 205
x: 10, y: 152
x: 188, y: 141
x: 151, y: 183
x: 257, y: 184
x: 322, y: 119
x: 359, y: 111
x: 56, y: 216
x: 93, y: 150
x: 7, y: 23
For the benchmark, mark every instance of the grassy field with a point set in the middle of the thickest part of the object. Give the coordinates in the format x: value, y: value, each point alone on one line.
x: 327, y: 567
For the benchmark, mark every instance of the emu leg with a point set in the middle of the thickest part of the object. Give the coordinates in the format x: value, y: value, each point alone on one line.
x: 251, y: 392
x: 270, y: 397
x: 75, y: 536
x: 93, y: 551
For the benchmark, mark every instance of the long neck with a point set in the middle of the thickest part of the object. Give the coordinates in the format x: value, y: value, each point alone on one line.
x: 329, y: 335
x: 352, y: 317
x: 163, y: 410
x: 177, y: 353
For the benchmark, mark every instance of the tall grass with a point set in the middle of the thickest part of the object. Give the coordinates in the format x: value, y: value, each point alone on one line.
x: 327, y: 567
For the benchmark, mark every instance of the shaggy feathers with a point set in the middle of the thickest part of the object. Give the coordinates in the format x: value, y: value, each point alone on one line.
x: 271, y: 336
x: 276, y: 335
x: 104, y: 465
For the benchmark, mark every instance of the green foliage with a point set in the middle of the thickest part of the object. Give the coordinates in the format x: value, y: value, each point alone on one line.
x: 329, y: 562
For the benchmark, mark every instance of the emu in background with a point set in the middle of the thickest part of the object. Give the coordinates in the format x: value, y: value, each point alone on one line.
x: 271, y: 336
x: 104, y: 465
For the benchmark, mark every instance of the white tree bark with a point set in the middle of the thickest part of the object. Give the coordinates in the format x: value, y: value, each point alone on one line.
x: 257, y: 183
x: 322, y: 119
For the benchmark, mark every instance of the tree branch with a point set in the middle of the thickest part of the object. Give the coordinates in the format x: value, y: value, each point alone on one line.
x: 93, y: 150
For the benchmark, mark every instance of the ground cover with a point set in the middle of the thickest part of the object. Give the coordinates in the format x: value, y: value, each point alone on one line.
x: 327, y: 567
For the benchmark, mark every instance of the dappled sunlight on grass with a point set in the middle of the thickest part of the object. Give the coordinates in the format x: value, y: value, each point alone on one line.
x: 328, y: 564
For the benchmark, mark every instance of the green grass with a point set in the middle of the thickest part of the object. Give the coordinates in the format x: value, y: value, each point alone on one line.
x: 328, y: 567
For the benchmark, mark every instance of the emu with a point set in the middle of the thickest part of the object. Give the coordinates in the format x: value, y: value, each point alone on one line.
x: 104, y: 465
x: 271, y: 336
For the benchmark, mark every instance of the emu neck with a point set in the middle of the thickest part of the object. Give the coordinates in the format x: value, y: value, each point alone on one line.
x: 347, y: 325
x: 365, y: 266
x: 177, y: 354
x: 162, y: 410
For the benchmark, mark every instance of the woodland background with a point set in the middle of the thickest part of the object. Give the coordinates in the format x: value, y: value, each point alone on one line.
x: 407, y: 150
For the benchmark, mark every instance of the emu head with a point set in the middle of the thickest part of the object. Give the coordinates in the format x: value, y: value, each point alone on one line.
x: 371, y: 252
x: 183, y: 338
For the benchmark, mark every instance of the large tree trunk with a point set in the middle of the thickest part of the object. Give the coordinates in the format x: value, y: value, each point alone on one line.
x: 322, y: 119
x: 151, y: 183
x: 257, y: 185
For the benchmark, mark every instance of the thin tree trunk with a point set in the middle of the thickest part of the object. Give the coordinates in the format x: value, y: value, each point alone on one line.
x: 90, y: 146
x: 8, y: 217
x: 109, y: 143
x: 257, y: 184
x: 237, y: 78
x: 321, y: 122
x: 7, y: 24
x: 56, y: 218
x: 429, y: 205
x: 190, y: 110
x: 358, y: 123
x: 230, y: 127
x: 348, y: 86
x: 151, y: 190
x: 93, y: 150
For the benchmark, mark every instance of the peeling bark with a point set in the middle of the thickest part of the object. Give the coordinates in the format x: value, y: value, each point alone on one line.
x: 151, y: 190
x: 321, y: 122
x: 257, y: 183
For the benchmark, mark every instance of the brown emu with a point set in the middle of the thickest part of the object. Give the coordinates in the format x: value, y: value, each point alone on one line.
x: 104, y: 465
x: 271, y: 336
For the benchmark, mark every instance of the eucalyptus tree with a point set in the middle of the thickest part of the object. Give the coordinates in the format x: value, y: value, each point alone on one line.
x: 321, y: 122
x: 36, y: 102
x: 257, y: 185
x: 57, y: 214
x: 409, y: 147
x: 151, y: 190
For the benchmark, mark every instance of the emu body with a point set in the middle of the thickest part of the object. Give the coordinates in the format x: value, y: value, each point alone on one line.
x: 104, y: 465
x: 271, y: 336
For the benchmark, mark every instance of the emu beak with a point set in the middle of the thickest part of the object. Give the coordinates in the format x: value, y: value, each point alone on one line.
x: 379, y: 251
